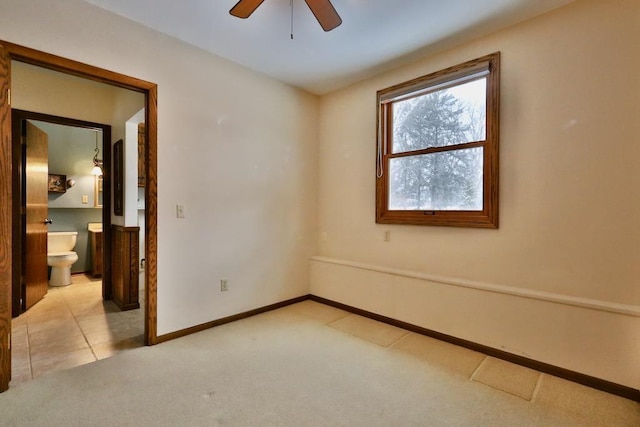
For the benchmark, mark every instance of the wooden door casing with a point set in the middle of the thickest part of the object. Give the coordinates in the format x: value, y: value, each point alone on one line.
x: 6, y: 222
x: 141, y: 155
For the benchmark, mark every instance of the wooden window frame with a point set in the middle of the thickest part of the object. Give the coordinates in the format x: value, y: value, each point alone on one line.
x: 488, y: 216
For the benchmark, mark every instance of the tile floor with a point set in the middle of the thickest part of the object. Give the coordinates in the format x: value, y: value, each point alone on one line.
x: 588, y: 406
x: 70, y: 327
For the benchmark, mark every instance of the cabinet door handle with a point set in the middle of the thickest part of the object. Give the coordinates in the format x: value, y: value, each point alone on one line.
x: 47, y: 221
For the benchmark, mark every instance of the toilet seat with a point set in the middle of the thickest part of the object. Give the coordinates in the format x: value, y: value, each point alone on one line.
x: 63, y: 253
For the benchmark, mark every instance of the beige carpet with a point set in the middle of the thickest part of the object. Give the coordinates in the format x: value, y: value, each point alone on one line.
x: 307, y: 365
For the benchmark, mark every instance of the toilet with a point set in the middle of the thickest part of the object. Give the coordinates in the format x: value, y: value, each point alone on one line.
x: 60, y: 256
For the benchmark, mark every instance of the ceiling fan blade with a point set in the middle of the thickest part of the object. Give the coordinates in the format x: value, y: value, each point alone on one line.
x: 325, y: 13
x: 244, y: 8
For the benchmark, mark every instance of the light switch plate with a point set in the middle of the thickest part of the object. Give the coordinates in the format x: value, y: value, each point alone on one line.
x: 179, y: 211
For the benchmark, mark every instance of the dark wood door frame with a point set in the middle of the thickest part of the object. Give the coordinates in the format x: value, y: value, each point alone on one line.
x: 9, y: 52
x: 18, y: 117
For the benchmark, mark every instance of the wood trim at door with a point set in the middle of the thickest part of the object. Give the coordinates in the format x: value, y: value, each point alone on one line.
x: 6, y: 204
x: 9, y: 52
x: 151, y: 217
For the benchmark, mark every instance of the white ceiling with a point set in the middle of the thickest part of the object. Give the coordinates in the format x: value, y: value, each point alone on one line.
x: 375, y: 35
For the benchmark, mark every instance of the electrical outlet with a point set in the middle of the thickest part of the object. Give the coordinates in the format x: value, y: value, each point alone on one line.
x: 85, y: 199
x: 224, y: 286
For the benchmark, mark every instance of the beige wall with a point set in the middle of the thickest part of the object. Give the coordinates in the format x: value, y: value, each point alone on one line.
x: 44, y: 91
x: 569, y: 205
x: 238, y: 149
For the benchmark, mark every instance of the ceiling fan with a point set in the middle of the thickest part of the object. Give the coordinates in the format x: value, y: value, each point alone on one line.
x: 323, y: 10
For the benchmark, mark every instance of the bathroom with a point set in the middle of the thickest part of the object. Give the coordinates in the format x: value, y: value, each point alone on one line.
x: 73, y: 156
x: 76, y: 201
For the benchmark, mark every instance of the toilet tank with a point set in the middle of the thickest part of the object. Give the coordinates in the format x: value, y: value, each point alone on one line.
x: 61, y: 241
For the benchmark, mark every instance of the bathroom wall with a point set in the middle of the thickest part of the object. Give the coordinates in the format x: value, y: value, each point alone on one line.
x: 134, y: 203
x: 71, y: 150
x: 131, y: 194
x: 129, y: 136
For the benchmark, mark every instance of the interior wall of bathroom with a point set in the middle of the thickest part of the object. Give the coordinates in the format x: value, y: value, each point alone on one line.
x: 134, y: 203
x: 131, y: 194
x: 236, y: 148
x: 71, y: 151
x: 558, y: 281
x: 129, y: 135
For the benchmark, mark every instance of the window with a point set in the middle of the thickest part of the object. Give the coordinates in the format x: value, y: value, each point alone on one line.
x: 437, y: 158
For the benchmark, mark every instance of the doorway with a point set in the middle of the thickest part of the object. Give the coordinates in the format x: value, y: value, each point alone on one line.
x: 27, y: 291
x: 9, y: 225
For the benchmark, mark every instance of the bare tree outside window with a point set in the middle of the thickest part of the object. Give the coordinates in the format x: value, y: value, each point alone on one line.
x: 439, y: 181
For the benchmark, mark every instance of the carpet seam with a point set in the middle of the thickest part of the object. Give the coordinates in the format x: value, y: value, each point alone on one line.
x: 536, y: 389
x: 477, y: 368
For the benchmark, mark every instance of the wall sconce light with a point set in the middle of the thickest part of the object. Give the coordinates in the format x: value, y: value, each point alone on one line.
x: 71, y: 183
x: 97, y: 163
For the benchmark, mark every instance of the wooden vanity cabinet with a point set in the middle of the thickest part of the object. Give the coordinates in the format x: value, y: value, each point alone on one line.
x: 125, y: 266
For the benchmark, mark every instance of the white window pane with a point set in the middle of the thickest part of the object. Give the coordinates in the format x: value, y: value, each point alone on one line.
x: 442, y: 118
x: 450, y: 181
